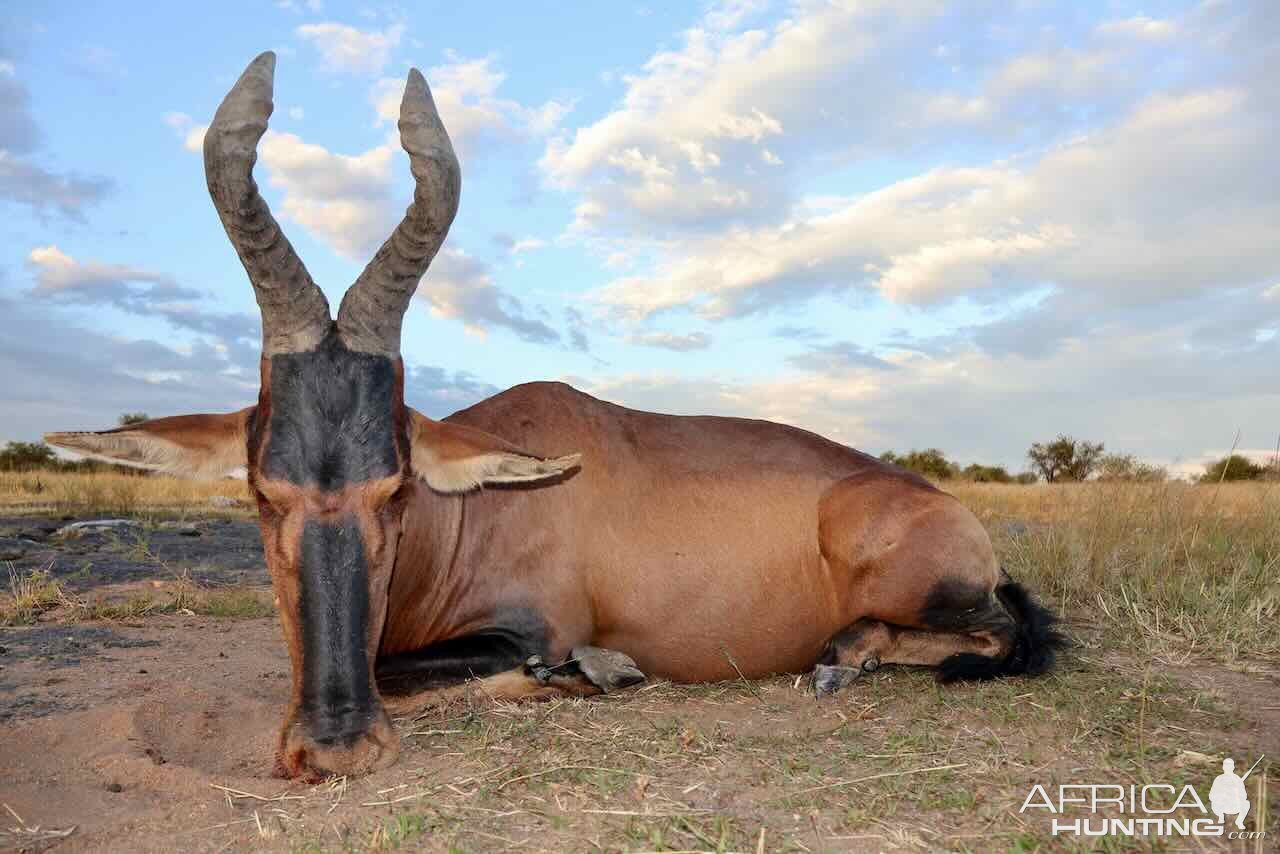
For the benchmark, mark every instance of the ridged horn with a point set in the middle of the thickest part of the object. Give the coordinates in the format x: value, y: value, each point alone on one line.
x: 371, y: 313
x: 295, y: 314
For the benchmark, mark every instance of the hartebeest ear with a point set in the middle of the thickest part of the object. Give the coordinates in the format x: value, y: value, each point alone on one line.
x: 454, y: 458
x: 202, y: 446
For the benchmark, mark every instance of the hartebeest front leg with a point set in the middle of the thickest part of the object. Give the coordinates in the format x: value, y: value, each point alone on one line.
x: 588, y: 671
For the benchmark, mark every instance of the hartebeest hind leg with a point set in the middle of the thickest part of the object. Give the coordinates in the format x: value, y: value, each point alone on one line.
x: 1003, y: 633
x: 922, y: 587
x: 867, y: 644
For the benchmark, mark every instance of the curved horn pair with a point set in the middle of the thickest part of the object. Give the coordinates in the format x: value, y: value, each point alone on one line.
x: 295, y: 313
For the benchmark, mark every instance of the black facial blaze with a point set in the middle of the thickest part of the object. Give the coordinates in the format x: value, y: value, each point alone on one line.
x: 332, y: 417
x: 334, y: 582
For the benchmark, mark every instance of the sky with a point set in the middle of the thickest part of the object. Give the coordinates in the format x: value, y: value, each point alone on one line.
x: 898, y: 223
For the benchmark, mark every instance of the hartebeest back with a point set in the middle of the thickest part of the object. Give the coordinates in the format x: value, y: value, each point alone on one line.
x: 697, y: 548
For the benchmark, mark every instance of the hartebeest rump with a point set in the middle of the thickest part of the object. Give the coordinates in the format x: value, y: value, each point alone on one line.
x: 617, y: 543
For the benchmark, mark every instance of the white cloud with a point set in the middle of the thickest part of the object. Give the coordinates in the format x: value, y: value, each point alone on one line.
x: 23, y: 180
x: 65, y: 281
x: 527, y: 244
x: 66, y: 375
x: 346, y: 200
x: 297, y: 113
x: 191, y: 134
x: 346, y: 49
x: 25, y: 183
x: 58, y: 273
x: 1067, y: 72
x: 684, y: 145
x: 671, y: 340
x: 1140, y: 390
x: 296, y: 7
x: 1140, y: 27
x: 466, y: 94
x: 459, y: 286
x: 729, y: 14
x: 1119, y: 212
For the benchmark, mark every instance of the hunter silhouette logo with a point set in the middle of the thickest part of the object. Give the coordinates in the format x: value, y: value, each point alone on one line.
x: 1228, y: 795
x: 1154, y: 809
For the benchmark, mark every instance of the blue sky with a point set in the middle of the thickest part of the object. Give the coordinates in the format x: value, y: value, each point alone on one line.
x: 901, y: 224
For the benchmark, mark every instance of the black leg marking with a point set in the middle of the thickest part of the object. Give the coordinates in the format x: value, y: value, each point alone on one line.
x: 450, y: 662
x: 514, y: 634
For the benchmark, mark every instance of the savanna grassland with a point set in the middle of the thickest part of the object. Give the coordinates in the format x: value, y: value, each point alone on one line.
x: 159, y: 735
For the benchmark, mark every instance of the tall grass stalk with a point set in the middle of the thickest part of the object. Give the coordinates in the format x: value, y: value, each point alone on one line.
x: 1176, y: 568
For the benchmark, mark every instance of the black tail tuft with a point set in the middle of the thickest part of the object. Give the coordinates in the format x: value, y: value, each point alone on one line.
x: 1035, y: 642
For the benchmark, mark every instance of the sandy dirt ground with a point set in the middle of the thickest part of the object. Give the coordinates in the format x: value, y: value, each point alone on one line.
x: 156, y: 734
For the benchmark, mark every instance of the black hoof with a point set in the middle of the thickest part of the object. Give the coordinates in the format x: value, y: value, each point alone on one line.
x: 607, y: 669
x: 830, y: 678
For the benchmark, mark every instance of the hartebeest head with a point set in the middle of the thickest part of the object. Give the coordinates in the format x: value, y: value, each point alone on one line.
x: 331, y: 450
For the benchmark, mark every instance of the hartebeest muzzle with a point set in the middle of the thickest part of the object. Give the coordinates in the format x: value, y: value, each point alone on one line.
x: 328, y: 446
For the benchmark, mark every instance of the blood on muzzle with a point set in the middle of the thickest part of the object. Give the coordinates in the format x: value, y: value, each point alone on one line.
x: 337, y: 703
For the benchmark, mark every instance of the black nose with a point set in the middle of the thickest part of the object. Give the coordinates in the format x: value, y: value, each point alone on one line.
x: 340, y: 726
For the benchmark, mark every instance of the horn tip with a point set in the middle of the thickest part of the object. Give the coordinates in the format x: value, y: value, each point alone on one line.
x: 263, y: 67
x: 415, y: 89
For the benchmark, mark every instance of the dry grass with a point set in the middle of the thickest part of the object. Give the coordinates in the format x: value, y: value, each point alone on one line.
x: 36, y: 594
x: 897, y: 763
x: 1174, y: 568
x: 30, y: 595
x: 109, y: 492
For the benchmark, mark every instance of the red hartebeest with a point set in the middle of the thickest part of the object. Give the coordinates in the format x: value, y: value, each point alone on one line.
x: 618, y: 543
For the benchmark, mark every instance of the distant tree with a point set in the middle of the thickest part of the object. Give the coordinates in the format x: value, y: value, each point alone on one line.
x: 133, y: 418
x: 986, y: 474
x: 1232, y: 467
x: 1128, y: 467
x: 24, y: 456
x: 1065, y: 458
x: 1026, y: 477
x: 930, y: 462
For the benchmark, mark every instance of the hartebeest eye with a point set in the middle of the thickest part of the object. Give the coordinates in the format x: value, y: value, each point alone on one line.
x: 278, y: 496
